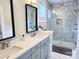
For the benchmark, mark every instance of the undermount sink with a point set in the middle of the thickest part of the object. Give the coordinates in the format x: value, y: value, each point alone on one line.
x: 6, y: 53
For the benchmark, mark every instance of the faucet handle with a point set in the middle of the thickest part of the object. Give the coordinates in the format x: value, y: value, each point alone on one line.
x: 3, y: 45
x: 7, y: 44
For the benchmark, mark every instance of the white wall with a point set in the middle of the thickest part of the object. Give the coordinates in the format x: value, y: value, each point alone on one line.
x: 19, y: 17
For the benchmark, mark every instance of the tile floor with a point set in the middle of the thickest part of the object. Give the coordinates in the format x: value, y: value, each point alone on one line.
x: 55, y: 55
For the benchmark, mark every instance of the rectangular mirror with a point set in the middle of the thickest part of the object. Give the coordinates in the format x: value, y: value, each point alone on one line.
x: 31, y: 18
x: 6, y: 20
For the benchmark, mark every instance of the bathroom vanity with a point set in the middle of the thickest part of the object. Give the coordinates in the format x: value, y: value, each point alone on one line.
x: 30, y: 47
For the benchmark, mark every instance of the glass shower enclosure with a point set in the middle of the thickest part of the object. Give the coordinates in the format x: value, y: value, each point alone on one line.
x: 65, y: 24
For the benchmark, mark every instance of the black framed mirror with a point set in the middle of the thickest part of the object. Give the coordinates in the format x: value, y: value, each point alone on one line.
x: 31, y: 18
x: 7, y: 29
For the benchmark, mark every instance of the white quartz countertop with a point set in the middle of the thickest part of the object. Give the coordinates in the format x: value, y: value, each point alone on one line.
x: 27, y: 43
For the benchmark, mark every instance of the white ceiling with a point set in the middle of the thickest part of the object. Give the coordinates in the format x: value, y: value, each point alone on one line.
x: 59, y: 1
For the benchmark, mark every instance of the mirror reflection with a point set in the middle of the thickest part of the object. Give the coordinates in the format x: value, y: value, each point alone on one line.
x: 31, y: 18
x: 6, y: 24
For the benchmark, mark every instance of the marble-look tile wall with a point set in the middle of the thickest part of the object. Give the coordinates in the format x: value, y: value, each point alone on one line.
x: 77, y: 56
x: 65, y: 21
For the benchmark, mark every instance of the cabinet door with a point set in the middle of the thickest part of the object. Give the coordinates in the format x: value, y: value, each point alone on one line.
x: 35, y: 48
x: 25, y: 55
x: 44, y: 49
x: 29, y: 57
x: 36, y: 54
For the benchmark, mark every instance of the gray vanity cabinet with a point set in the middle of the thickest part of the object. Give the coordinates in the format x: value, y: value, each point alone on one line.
x: 40, y: 51
x: 28, y: 57
x: 36, y: 54
x: 44, y: 49
x: 25, y: 55
x: 36, y: 51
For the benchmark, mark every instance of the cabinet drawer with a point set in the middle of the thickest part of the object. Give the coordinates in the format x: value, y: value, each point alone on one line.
x: 36, y: 54
x: 35, y: 48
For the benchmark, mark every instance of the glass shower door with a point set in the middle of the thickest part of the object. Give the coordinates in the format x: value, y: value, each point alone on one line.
x: 65, y: 25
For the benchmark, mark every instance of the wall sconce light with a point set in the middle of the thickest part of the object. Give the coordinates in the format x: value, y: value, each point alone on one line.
x: 32, y: 1
x: 55, y: 12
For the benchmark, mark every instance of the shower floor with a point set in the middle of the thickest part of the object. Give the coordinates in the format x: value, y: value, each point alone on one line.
x: 62, y: 50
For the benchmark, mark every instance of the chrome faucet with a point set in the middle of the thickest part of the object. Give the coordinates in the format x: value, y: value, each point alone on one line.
x: 5, y: 44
